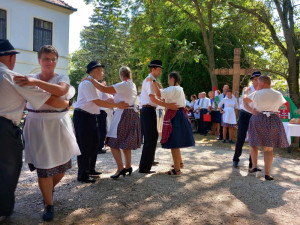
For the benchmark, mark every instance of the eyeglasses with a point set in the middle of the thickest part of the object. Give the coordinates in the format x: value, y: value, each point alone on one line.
x: 49, y: 60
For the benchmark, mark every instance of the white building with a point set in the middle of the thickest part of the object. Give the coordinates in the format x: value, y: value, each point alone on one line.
x: 29, y: 24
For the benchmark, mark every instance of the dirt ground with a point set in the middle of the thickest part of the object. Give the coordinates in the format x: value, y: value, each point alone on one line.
x: 209, y: 191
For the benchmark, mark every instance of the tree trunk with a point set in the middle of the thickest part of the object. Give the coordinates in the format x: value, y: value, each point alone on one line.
x: 293, y: 82
x: 213, y: 77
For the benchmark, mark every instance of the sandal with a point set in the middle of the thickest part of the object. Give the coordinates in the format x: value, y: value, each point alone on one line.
x: 254, y: 170
x: 173, y: 172
x: 181, y: 165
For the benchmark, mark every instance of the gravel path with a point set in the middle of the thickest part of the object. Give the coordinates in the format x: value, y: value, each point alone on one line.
x: 210, y: 191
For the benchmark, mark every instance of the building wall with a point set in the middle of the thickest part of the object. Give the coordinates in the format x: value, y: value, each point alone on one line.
x: 20, y: 16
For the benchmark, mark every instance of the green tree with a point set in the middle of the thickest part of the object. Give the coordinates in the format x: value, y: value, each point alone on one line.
x: 284, y: 21
x: 105, y: 40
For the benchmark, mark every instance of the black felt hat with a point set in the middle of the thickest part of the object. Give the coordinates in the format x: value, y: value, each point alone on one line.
x: 92, y: 65
x: 255, y: 74
x: 6, y: 48
x: 155, y: 63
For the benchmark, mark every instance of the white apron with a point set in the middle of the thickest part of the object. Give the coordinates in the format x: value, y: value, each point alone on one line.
x: 49, y: 139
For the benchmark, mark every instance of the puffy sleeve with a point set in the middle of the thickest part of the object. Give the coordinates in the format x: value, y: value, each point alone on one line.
x: 120, y: 87
x: 63, y: 79
x: 167, y: 93
x: 281, y: 99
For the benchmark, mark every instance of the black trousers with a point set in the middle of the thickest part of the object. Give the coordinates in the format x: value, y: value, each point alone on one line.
x: 11, y: 148
x: 149, y: 128
x: 203, y: 125
x: 243, y: 124
x: 86, y: 130
x: 101, y: 119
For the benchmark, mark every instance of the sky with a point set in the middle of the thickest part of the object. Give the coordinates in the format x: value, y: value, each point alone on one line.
x: 78, y: 20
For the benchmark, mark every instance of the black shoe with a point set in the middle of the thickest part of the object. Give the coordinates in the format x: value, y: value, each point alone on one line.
x: 48, y: 213
x: 87, y: 180
x: 155, y: 163
x: 122, y: 172
x: 102, y: 151
x: 129, y: 170
x: 94, y: 173
x: 219, y: 139
x: 254, y: 170
x: 235, y: 164
x: 146, y: 171
x: 267, y: 177
x: 230, y: 141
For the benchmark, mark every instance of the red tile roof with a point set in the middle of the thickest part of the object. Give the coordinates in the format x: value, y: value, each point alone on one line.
x: 60, y: 3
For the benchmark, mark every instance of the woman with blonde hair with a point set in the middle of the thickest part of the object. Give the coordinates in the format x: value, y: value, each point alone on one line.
x: 125, y: 130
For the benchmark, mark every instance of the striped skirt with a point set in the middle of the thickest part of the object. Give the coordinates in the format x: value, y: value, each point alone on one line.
x: 129, y: 132
x: 267, y: 131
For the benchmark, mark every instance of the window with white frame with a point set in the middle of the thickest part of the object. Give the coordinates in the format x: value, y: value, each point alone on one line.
x: 42, y: 33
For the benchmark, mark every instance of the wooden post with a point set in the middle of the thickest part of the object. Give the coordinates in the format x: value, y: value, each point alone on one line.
x: 236, y: 72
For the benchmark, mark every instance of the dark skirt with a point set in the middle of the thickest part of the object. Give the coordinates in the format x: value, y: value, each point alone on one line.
x: 216, y: 116
x: 182, y: 134
x: 267, y: 131
x: 129, y: 132
x: 44, y: 173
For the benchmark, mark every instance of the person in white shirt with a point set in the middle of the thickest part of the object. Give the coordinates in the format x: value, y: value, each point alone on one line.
x: 86, y: 110
x: 221, y: 96
x: 177, y: 130
x: 265, y: 128
x: 49, y: 138
x: 12, y: 103
x: 125, y: 129
x: 148, y: 117
x: 228, y: 114
x: 197, y: 111
x: 202, y: 107
x: 244, y: 118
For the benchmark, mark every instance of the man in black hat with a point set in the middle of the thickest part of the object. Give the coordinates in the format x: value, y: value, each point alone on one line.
x: 12, y: 103
x: 86, y: 111
x: 244, y: 118
x: 148, y: 117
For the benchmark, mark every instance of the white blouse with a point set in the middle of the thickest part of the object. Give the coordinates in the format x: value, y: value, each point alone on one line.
x: 174, y: 94
x: 125, y: 92
x: 267, y: 100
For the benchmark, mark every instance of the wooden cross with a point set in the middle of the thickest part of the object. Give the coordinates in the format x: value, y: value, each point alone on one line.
x: 236, y: 71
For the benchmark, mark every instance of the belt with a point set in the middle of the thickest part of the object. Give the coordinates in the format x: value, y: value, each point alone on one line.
x: 46, y: 111
x: 149, y: 106
x: 268, y: 113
